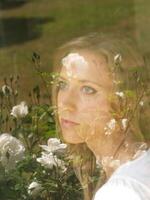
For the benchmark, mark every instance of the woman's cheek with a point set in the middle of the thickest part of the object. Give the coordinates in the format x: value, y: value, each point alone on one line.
x: 87, y: 131
x: 94, y: 112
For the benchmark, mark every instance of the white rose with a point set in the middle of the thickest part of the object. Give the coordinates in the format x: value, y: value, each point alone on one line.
x: 74, y: 60
x: 20, y: 111
x: 49, y: 160
x: 53, y: 144
x: 124, y: 123
x: 11, y: 151
x: 6, y: 90
x: 117, y: 58
x: 141, y: 103
x: 34, y: 188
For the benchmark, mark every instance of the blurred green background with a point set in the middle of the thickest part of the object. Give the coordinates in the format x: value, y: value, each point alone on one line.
x: 43, y: 25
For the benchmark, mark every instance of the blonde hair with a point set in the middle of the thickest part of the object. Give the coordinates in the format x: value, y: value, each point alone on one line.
x: 131, y: 70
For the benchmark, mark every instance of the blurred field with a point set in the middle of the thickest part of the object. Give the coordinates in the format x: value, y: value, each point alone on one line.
x: 43, y: 25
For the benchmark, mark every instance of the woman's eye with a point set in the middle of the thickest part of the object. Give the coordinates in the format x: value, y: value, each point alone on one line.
x: 88, y: 90
x: 62, y: 85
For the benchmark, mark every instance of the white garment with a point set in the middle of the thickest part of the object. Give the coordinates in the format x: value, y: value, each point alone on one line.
x: 131, y: 181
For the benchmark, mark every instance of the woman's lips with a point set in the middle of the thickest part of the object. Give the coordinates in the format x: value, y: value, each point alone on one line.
x: 68, y: 123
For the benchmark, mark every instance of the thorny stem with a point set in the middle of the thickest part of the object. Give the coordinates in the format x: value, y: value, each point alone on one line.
x: 31, y: 98
x: 132, y: 115
x: 34, y: 99
x: 37, y: 67
x: 37, y: 124
x: 24, y: 137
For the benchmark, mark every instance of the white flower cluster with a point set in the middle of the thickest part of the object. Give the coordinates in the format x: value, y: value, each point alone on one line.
x: 48, y: 158
x: 120, y: 94
x: 20, y: 111
x: 109, y: 161
x: 110, y: 127
x: 11, y: 151
x: 73, y: 59
x: 140, y: 148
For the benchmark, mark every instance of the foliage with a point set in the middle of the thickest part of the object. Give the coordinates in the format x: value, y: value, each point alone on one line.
x: 43, y: 172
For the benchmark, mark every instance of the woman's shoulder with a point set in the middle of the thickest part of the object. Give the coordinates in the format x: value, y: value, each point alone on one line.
x: 138, y: 169
x: 117, y: 189
x: 130, y: 181
x: 124, y: 187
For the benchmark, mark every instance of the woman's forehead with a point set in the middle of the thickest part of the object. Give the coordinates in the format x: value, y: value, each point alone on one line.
x: 84, y: 57
x: 85, y: 65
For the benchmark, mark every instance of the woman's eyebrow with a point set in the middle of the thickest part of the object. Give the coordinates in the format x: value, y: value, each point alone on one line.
x: 83, y: 81
x: 90, y: 81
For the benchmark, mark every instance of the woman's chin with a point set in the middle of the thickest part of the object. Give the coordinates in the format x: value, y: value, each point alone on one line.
x: 72, y: 138
x: 73, y: 141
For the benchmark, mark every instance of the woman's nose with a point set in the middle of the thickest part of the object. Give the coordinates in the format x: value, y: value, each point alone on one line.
x: 69, y: 100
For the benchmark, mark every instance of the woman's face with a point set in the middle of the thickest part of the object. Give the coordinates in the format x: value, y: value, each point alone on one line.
x: 83, y: 90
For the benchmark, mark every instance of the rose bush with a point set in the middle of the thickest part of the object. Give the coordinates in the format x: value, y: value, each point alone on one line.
x: 33, y: 161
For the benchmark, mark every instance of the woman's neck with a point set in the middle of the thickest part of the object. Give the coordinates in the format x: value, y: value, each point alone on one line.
x: 113, y: 154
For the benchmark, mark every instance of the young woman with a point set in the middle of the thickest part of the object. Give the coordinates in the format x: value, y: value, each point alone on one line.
x: 101, y: 94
